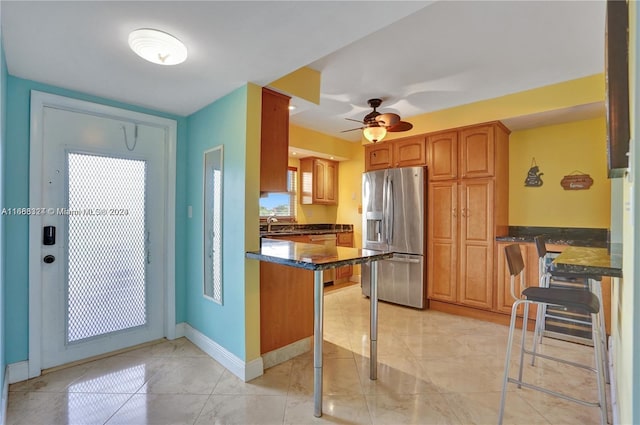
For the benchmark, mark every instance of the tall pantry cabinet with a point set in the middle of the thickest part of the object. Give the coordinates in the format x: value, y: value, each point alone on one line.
x: 468, y: 208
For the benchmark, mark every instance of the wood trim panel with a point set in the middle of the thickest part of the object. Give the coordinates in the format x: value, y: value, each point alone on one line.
x: 285, y: 293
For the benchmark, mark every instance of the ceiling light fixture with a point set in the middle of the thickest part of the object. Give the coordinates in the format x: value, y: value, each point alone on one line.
x: 374, y: 132
x: 157, y: 46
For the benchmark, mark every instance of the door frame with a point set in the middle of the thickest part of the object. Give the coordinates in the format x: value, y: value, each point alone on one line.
x: 40, y: 100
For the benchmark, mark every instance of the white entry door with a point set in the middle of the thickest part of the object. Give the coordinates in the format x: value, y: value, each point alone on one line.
x: 103, y: 249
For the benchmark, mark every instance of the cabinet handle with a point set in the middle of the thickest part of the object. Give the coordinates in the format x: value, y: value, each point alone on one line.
x: 453, y: 212
x: 465, y: 212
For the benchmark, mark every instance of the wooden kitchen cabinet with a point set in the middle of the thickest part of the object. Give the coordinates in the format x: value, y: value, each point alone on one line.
x: 319, y: 181
x: 377, y: 156
x: 468, y: 152
x: 274, y: 141
x: 409, y: 152
x: 466, y: 213
x: 476, y: 241
x: 345, y: 272
x: 442, y: 249
x: 477, y: 151
x: 443, y: 155
x: 406, y: 152
x: 460, y: 252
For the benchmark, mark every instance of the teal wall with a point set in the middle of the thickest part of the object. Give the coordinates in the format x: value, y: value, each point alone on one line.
x: 16, y: 175
x: 3, y: 98
x: 221, y: 123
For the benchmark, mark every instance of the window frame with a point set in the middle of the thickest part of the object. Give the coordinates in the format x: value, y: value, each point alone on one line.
x: 293, y: 199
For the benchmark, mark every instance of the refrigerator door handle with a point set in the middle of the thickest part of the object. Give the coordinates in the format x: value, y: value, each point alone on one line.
x: 391, y: 218
x: 383, y: 229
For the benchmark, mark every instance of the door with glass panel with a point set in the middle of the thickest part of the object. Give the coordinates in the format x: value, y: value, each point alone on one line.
x: 104, y: 200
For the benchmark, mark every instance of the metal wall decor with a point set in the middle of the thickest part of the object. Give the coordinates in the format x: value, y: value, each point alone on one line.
x: 534, y: 175
x: 576, y: 180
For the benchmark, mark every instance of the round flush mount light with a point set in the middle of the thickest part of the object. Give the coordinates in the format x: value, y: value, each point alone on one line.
x: 157, y: 46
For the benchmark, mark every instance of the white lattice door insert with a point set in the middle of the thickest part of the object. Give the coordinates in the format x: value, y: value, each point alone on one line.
x: 106, y: 261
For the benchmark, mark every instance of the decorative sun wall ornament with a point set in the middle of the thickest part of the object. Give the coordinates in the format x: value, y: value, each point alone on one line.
x: 533, y: 176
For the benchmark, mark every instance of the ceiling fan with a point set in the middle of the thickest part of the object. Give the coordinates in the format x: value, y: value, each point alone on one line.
x: 376, y: 125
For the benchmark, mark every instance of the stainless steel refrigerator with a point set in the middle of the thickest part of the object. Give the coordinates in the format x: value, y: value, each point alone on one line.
x: 393, y: 219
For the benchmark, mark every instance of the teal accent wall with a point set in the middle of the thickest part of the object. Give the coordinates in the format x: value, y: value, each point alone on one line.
x: 16, y: 175
x: 3, y: 103
x: 221, y: 123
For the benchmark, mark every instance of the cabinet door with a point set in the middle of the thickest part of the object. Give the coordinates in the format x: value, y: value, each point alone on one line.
x: 274, y: 142
x: 319, y: 180
x: 331, y: 183
x: 410, y: 152
x: 377, y: 156
x: 476, y: 243
x: 443, y: 156
x: 477, y: 147
x: 442, y: 241
x: 344, y: 239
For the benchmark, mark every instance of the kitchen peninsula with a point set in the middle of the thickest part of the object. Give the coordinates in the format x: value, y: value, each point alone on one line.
x: 317, y: 258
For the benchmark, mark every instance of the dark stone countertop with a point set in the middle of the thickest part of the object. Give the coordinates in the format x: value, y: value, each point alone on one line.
x: 304, y: 229
x: 574, y: 236
x: 590, y: 262
x: 311, y: 256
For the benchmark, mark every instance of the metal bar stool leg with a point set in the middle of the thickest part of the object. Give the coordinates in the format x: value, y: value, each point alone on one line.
x: 507, y: 360
x: 525, y: 319
x: 596, y: 287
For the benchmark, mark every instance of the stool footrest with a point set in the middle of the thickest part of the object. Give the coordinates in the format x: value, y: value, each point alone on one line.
x: 554, y: 393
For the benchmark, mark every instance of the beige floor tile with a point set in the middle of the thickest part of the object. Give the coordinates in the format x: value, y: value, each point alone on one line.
x: 482, y: 408
x: 466, y: 374
x: 243, y: 410
x: 56, y: 381
x: 340, y: 377
x: 336, y: 409
x: 45, y: 408
x: 396, y: 375
x: 159, y: 409
x: 411, y: 409
x: 275, y: 381
x: 184, y: 375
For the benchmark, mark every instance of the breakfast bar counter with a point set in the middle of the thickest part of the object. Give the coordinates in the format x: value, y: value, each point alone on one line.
x: 590, y: 262
x: 318, y: 258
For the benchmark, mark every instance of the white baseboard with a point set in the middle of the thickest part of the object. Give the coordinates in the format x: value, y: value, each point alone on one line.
x: 5, y: 397
x: 17, y: 372
x: 287, y: 352
x: 237, y: 366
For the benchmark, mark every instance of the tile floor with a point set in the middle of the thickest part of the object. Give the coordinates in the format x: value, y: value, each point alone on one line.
x: 433, y: 368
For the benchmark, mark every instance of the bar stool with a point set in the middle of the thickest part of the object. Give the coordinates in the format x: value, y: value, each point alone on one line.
x: 544, y: 296
x: 547, y: 275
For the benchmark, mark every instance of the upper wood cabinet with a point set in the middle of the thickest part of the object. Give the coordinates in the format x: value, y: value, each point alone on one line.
x: 477, y: 150
x: 407, y: 152
x: 443, y: 155
x: 318, y: 181
x: 274, y: 142
x: 411, y: 151
x: 468, y: 152
x: 377, y: 156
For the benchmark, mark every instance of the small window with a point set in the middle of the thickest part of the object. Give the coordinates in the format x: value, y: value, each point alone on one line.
x: 281, y: 204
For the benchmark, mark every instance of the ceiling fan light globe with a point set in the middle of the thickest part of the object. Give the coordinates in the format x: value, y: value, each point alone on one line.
x: 375, y: 133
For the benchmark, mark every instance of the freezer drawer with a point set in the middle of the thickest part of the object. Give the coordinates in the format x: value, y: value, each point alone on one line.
x: 400, y: 280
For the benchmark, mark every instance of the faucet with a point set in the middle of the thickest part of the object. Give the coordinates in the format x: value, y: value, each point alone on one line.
x: 270, y: 220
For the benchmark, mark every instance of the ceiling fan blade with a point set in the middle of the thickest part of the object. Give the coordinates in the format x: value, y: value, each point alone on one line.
x: 351, y: 119
x: 401, y: 126
x: 353, y: 129
x: 388, y: 119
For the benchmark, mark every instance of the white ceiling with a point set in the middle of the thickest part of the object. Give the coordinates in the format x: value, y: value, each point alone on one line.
x: 417, y: 56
